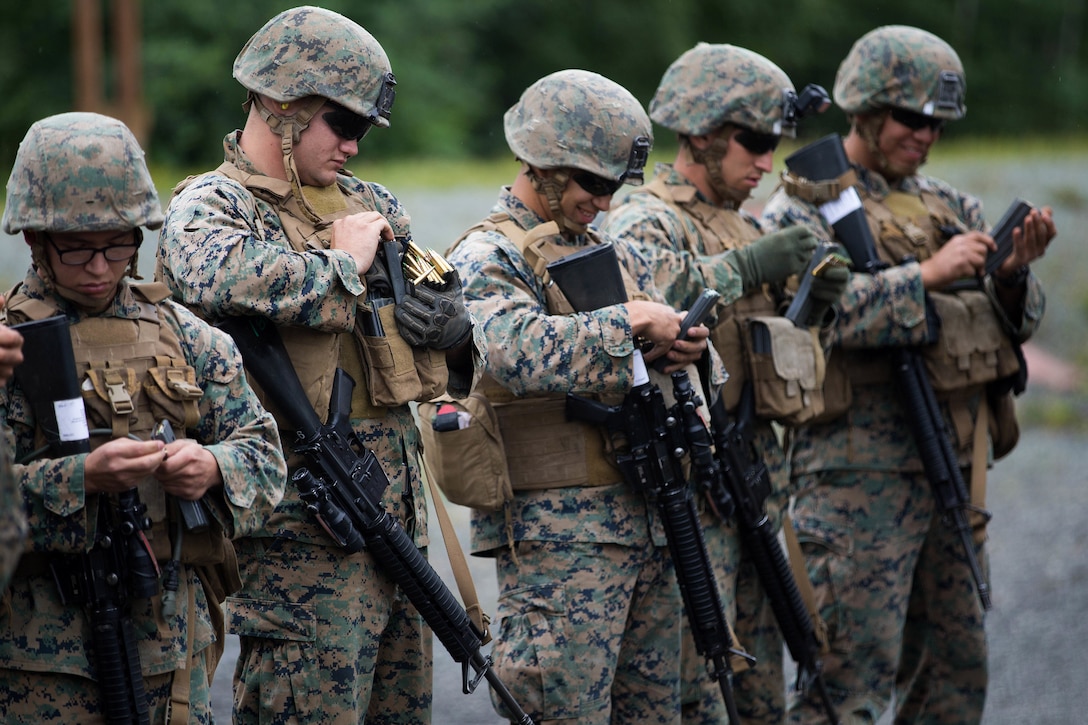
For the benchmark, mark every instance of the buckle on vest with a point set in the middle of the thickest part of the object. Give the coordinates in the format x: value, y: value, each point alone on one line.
x: 120, y: 400
x: 177, y: 383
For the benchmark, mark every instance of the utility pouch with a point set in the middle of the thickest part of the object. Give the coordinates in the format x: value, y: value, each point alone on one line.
x: 972, y: 348
x: 173, y: 393
x: 467, y: 459
x: 399, y: 373
x: 787, y: 368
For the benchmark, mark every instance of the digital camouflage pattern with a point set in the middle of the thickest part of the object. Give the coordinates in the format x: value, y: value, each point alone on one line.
x: 864, y: 505
x: 310, y: 51
x: 588, y: 599
x: 12, y: 518
x: 41, y: 636
x: 902, y: 67
x: 715, y: 84
x: 582, y: 120
x: 685, y: 235
x: 215, y: 236
x: 80, y: 172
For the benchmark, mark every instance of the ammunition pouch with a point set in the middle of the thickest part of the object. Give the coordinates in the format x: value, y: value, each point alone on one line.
x: 972, y: 348
x: 786, y: 366
x: 398, y: 373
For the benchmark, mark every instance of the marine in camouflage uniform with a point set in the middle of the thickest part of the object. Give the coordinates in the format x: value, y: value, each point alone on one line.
x: 589, y: 608
x: 80, y: 186
x: 890, y: 576
x: 12, y: 517
x: 282, y: 231
x: 729, y: 107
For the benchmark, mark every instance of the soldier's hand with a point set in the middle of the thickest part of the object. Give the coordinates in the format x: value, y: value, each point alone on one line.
x: 962, y: 256
x: 187, y: 469
x: 434, y: 318
x: 659, y: 324
x: 1029, y: 241
x: 773, y: 258
x: 358, y: 235
x: 827, y: 287
x: 120, y: 464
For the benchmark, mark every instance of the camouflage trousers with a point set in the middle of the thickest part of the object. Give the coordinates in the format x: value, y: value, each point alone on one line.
x: 32, y: 698
x: 759, y: 691
x: 325, y: 637
x: 898, y: 598
x: 589, y: 633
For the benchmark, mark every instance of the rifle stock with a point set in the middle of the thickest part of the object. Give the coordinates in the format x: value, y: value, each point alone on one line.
x: 826, y: 159
x: 343, y: 485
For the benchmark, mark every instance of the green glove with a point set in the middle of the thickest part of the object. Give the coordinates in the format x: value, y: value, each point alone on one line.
x: 774, y: 257
x: 827, y: 287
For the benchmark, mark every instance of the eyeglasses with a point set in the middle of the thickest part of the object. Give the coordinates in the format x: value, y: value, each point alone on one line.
x: 346, y: 124
x: 596, y: 185
x: 916, y: 121
x: 83, y: 255
x: 756, y: 143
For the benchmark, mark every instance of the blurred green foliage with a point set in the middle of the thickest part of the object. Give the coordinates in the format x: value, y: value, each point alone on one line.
x: 460, y: 65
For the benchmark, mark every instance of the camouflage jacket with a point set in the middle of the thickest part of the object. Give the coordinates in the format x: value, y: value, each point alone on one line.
x: 685, y: 263
x: 663, y: 235
x: 39, y: 633
x: 224, y: 252
x: 880, y: 310
x: 12, y: 518
x: 531, y: 352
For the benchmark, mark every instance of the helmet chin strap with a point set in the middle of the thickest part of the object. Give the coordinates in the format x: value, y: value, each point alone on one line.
x: 868, y: 127
x: 290, y: 128
x: 711, y: 158
x: 552, y: 188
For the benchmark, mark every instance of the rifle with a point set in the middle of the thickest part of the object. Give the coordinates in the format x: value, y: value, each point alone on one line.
x: 657, y: 440
x: 120, y: 566
x: 826, y: 159
x: 343, y: 485
x: 747, y: 485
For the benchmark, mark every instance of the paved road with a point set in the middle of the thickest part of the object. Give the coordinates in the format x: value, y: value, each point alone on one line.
x: 1039, y: 560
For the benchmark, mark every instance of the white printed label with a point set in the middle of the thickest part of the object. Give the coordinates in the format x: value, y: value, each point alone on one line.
x: 641, y: 376
x: 71, y: 419
x: 847, y: 202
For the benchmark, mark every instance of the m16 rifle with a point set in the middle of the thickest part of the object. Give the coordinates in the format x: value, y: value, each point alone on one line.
x: 747, y: 485
x: 120, y: 567
x: 342, y: 486
x: 657, y: 439
x: 826, y: 160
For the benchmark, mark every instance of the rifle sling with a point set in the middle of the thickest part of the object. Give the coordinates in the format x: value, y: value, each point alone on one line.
x: 804, y: 584
x: 461, y: 573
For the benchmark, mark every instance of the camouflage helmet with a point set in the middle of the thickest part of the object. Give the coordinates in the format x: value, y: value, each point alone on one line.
x: 80, y: 172
x: 712, y: 85
x: 902, y: 67
x: 579, y: 119
x: 309, y: 51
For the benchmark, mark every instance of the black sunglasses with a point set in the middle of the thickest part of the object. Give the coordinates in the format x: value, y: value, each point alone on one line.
x: 756, y: 143
x: 346, y: 124
x: 916, y: 121
x: 595, y: 185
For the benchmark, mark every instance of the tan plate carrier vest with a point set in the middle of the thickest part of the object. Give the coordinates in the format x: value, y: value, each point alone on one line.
x: 394, y: 372
x: 972, y: 350
x: 133, y: 374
